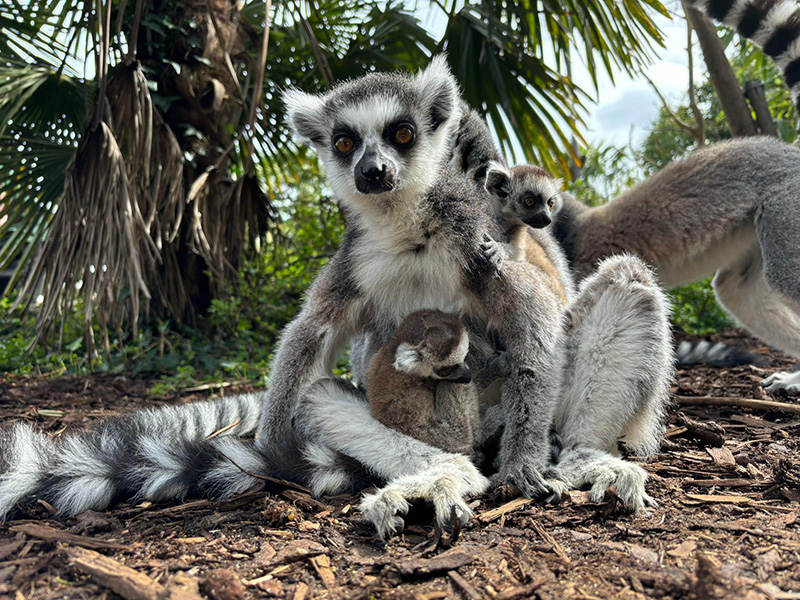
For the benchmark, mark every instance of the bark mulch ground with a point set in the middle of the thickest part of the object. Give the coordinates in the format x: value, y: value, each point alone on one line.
x: 727, y: 526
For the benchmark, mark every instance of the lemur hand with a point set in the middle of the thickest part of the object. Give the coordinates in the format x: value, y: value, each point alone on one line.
x: 497, y: 366
x: 493, y: 252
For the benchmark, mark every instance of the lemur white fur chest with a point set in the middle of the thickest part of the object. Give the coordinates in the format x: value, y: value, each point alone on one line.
x: 408, y: 265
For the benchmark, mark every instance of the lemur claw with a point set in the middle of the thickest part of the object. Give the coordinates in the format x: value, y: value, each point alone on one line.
x: 529, y: 481
x: 493, y: 252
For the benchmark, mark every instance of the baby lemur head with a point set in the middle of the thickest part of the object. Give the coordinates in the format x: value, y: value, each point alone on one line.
x: 381, y: 137
x: 432, y: 344
x: 524, y: 192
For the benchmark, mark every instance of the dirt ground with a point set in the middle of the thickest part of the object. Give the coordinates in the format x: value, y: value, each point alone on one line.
x: 727, y: 526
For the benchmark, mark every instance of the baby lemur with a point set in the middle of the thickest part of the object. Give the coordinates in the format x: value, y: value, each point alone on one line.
x: 409, y: 375
x: 525, y: 197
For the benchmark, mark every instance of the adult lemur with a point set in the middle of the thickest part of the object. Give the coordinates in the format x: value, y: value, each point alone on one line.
x: 732, y: 209
x: 414, y: 229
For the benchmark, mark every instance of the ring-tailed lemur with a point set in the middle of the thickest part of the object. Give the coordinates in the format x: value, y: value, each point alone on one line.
x: 732, y: 209
x: 413, y: 238
x: 417, y: 382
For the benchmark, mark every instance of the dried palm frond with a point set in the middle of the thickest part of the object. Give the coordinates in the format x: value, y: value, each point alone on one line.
x: 98, y: 243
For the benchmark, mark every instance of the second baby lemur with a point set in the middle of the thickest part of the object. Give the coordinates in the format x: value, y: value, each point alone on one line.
x: 412, y: 378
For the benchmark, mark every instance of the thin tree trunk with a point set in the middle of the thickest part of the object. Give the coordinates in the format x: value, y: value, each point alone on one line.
x: 733, y: 102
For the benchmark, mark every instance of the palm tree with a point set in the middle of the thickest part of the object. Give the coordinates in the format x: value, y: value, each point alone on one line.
x: 142, y: 142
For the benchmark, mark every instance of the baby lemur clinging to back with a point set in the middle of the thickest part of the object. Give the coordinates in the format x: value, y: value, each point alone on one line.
x: 525, y: 197
x: 410, y: 380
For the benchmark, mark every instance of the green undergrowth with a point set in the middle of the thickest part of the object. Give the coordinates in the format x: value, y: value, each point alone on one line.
x: 234, y: 342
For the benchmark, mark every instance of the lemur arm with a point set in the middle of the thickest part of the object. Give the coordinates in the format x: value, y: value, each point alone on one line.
x: 309, y: 345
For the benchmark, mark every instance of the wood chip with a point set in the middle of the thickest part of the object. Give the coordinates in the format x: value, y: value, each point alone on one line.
x: 549, y: 539
x: 494, y: 514
x: 720, y: 499
x: 683, y: 550
x: 464, y: 585
x: 740, y: 402
x: 298, y: 550
x: 122, y: 580
x: 736, y: 482
x: 322, y: 565
x: 51, y: 534
x: 644, y: 554
x: 722, y: 457
x: 300, y: 591
x: 521, y: 591
x: 448, y: 561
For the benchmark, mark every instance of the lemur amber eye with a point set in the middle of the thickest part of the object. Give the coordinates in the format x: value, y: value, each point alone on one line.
x: 404, y: 135
x: 529, y: 201
x: 344, y: 144
x: 551, y: 204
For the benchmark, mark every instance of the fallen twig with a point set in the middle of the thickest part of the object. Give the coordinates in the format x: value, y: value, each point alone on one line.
x: 740, y: 402
x: 494, y: 514
x: 51, y: 534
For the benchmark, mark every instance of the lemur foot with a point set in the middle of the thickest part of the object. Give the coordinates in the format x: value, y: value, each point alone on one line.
x: 527, y: 478
x: 493, y: 252
x: 629, y: 480
x: 383, y: 508
x: 783, y: 381
x: 444, y: 485
x: 601, y: 471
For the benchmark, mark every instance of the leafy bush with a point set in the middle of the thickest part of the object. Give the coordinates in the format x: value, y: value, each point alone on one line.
x: 696, y: 310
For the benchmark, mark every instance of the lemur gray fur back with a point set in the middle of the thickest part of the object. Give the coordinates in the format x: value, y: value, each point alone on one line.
x: 732, y: 209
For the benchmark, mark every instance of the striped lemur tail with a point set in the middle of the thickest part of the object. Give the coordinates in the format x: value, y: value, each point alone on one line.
x: 154, y: 454
x: 716, y: 355
x: 773, y: 25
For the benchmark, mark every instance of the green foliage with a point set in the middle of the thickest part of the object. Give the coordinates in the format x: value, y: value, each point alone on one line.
x: 696, y: 309
x: 233, y: 341
x: 607, y: 171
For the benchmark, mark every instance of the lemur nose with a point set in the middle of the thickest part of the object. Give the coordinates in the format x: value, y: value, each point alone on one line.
x: 373, y: 171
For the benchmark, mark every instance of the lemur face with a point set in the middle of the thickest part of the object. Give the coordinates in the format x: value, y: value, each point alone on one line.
x: 433, y: 344
x: 526, y: 192
x: 380, y: 137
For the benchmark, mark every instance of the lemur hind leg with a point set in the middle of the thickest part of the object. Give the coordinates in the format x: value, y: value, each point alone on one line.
x: 619, y: 366
x: 528, y: 316
x: 334, y: 413
x: 746, y: 290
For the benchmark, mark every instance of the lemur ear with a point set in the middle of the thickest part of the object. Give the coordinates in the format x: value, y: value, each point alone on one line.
x: 497, y: 180
x: 438, y: 89
x: 304, y: 112
x: 407, y: 358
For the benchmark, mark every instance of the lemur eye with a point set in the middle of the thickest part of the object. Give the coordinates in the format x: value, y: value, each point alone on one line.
x: 551, y: 204
x: 529, y: 201
x: 404, y: 135
x: 344, y: 144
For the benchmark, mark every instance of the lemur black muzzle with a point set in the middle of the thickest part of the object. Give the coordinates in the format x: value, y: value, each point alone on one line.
x: 539, y: 219
x: 461, y: 375
x: 374, y: 174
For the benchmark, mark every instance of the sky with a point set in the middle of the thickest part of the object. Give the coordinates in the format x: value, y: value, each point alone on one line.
x: 626, y: 108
